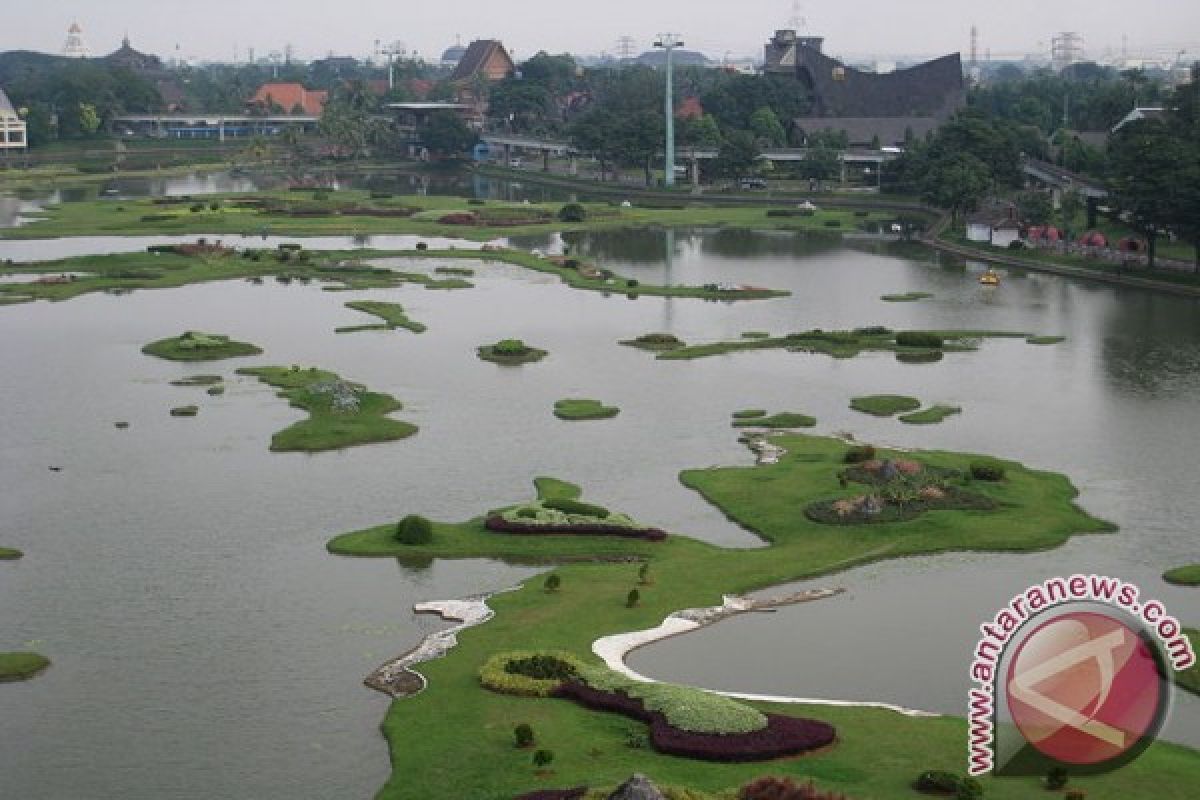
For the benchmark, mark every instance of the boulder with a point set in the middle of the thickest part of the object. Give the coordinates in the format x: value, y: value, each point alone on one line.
x: 638, y: 787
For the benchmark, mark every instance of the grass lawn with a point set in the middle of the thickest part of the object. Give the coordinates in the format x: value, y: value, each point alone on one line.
x: 9, y: 554
x: 1189, y: 679
x: 931, y: 415
x: 784, y: 419
x: 885, y: 405
x: 583, y: 409
x: 1183, y: 576
x: 196, y: 346
x: 392, y: 314
x: 456, y: 733
x: 361, y: 419
x: 21, y: 666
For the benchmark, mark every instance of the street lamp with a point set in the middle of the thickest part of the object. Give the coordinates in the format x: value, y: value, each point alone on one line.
x: 668, y: 42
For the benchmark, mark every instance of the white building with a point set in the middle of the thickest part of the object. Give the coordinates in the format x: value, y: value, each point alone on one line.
x: 12, y: 127
x: 998, y: 227
x: 75, y: 47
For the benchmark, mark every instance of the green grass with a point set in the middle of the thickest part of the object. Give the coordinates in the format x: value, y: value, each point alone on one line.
x: 1183, y: 576
x: 10, y: 554
x: 750, y: 413
x: 510, y: 353
x: 328, y: 428
x: 838, y: 344
x: 1046, y: 339
x: 583, y: 409
x: 785, y: 419
x: 878, y: 753
x: 185, y: 411
x: 21, y: 666
x: 392, y: 314
x: 655, y: 342
x: 907, y: 297
x: 931, y: 415
x: 884, y: 405
x: 1189, y: 679
x: 196, y: 346
x: 198, y: 380
x: 755, y: 335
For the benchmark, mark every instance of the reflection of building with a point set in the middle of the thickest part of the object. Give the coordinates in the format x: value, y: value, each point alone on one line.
x: 75, y: 46
x: 12, y: 127
x: 867, y: 106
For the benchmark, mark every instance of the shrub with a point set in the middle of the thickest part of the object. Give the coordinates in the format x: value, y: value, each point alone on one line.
x: 861, y: 213
x: 495, y: 675
x: 540, y: 667
x: 161, y: 248
x: 572, y: 212
x: 196, y: 208
x: 644, y: 577
x: 568, y: 506
x: 527, y: 513
x: 553, y: 582
x: 937, y: 782
x: 923, y: 339
x: 571, y: 263
x: 987, y: 471
x: 214, y: 206
x: 321, y: 194
x: 510, y: 347
x: 475, y: 201
x: 1076, y: 794
x: 523, y: 735
x: 632, y: 283
x: 633, y: 598
x: 1056, y: 778
x: 422, y: 246
x: 543, y: 758
x: 157, y: 217
x: 859, y: 454
x: 833, y: 223
x: 772, y: 788
x: 414, y: 530
x: 969, y: 789
x: 1016, y: 244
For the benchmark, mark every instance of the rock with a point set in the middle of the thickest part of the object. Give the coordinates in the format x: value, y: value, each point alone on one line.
x: 638, y: 787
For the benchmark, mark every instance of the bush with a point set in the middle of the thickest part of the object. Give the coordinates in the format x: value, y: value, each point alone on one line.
x: 510, y: 347
x: 632, y: 283
x: 543, y: 758
x: 1056, y: 778
x: 772, y: 788
x: 214, y: 206
x: 568, y: 506
x: 1016, y: 244
x: 922, y: 339
x: 157, y: 217
x: 571, y: 263
x: 644, y: 577
x: 987, y: 471
x: 833, y: 223
x: 475, y: 201
x: 969, y: 789
x: 196, y: 208
x: 572, y: 212
x: 1076, y: 794
x: 161, y: 248
x: 937, y: 782
x: 861, y: 213
x: 422, y: 246
x: 495, y: 674
x: 540, y: 667
x: 414, y: 530
x: 859, y: 454
x: 527, y: 513
x: 523, y: 735
x: 553, y: 583
x: 633, y: 598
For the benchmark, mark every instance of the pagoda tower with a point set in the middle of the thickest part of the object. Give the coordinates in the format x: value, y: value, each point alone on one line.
x: 75, y: 46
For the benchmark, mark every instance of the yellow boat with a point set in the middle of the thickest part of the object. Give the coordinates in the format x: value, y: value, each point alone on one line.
x: 990, y: 278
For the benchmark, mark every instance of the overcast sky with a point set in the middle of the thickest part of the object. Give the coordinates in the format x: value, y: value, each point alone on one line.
x: 211, y: 29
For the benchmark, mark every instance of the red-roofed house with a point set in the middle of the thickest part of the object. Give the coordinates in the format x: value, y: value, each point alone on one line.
x: 690, y: 108
x: 293, y: 98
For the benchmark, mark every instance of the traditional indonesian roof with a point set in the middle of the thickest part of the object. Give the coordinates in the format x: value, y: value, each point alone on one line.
x: 6, y: 107
x: 891, y: 131
x: 476, y: 58
x: 290, y: 95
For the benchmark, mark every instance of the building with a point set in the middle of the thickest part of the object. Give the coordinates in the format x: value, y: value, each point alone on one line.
x: 1140, y: 113
x: 13, y: 135
x: 485, y: 61
x: 869, y: 107
x: 75, y: 47
x: 293, y: 98
x: 453, y: 54
x: 133, y: 60
x: 998, y: 226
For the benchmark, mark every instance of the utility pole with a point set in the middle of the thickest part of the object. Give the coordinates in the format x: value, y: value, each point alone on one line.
x: 625, y: 48
x: 391, y: 51
x: 668, y: 42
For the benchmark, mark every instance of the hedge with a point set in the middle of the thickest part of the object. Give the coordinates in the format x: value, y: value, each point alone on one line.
x: 568, y: 506
x: 495, y: 676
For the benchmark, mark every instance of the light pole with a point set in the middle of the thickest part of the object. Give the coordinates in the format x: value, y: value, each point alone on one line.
x: 668, y: 42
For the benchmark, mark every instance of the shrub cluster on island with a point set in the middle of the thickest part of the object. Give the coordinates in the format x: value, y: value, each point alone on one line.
x: 341, y: 414
x: 21, y: 666
x: 656, y: 342
x: 578, y: 409
x: 392, y: 314
x: 758, y: 418
x: 1188, y: 575
x: 889, y: 405
x: 684, y: 722
x: 197, y: 346
x: 565, y: 515
x: 510, y: 352
x: 10, y: 554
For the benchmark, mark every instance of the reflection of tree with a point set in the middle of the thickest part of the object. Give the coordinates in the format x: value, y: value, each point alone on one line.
x: 746, y: 243
x: 630, y: 246
x: 1152, y: 343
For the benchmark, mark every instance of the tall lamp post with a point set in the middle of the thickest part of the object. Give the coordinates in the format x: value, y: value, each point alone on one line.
x: 668, y: 42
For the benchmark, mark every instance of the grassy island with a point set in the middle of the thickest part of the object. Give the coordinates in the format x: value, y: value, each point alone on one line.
x: 196, y: 346
x: 1183, y: 576
x: 341, y: 414
x: 574, y: 409
x: 10, y: 554
x: 656, y: 342
x: 877, y: 754
x: 510, y: 353
x: 930, y: 416
x: 185, y: 411
x: 392, y: 314
x: 848, y: 344
x: 1046, y: 339
x: 906, y: 297
x: 198, y: 380
x: 756, y: 418
x: 1189, y: 679
x: 21, y: 666
x: 884, y: 405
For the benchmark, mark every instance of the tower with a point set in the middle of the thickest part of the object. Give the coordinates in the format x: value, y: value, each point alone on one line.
x: 75, y: 47
x: 1066, y: 49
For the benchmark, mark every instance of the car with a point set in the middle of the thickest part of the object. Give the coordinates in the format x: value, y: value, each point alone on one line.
x: 515, y: 163
x: 752, y: 183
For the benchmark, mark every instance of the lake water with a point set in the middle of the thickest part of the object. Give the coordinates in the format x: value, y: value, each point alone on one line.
x: 205, y: 645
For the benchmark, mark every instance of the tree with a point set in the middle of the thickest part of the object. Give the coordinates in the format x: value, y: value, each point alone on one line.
x: 738, y: 155
x: 522, y: 105
x: 1070, y: 204
x: 543, y: 758
x: 1035, y: 207
x: 553, y: 582
x: 698, y: 131
x: 767, y: 129
x: 644, y: 577
x: 523, y: 735
x: 445, y: 134
x: 956, y: 183
x: 414, y: 530
x: 1144, y: 177
x: 89, y: 120
x: 633, y: 598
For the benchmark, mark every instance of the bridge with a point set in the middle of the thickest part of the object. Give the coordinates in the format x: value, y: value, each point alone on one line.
x: 1063, y: 180
x: 210, y: 126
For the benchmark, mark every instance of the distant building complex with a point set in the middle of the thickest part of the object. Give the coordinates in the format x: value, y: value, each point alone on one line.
x: 75, y: 47
x: 881, y: 109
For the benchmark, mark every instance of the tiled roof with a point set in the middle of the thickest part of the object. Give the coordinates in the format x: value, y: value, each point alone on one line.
x: 6, y: 106
x: 475, y: 58
x: 289, y: 95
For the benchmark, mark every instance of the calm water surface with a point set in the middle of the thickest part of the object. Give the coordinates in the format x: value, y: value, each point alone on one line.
x: 206, y: 646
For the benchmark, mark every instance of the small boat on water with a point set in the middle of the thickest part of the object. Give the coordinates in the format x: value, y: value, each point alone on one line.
x: 990, y: 278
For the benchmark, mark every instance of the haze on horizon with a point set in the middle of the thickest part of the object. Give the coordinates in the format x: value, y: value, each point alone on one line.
x: 212, y: 31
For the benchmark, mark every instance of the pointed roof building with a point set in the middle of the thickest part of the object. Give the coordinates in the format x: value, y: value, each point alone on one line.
x: 75, y: 47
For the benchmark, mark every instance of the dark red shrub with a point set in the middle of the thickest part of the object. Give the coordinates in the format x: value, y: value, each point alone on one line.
x: 772, y: 788
x: 499, y: 524
x: 554, y: 794
x: 458, y: 218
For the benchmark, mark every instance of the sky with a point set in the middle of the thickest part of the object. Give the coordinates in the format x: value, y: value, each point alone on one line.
x: 214, y: 29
